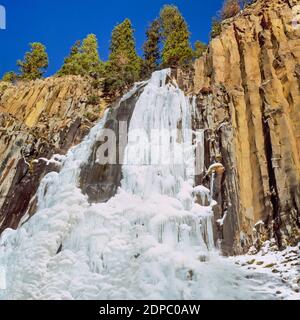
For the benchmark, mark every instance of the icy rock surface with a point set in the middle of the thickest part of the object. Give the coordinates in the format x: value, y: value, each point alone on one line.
x: 150, y: 241
x: 283, y: 267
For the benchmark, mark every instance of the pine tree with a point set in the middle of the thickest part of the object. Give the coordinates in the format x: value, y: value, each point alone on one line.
x: 151, y: 48
x: 200, y: 48
x: 124, y: 65
x: 90, y: 59
x: 72, y: 65
x: 176, y: 50
x: 35, y: 62
x: 83, y: 59
x: 75, y: 48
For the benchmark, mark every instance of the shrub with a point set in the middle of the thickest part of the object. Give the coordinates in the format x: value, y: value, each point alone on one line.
x: 230, y: 9
x: 97, y: 83
x: 10, y: 76
x: 216, y: 28
x: 199, y: 50
x: 93, y: 100
x: 3, y: 88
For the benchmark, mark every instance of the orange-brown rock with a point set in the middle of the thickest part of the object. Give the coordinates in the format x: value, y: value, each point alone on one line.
x: 252, y: 117
x: 39, y: 119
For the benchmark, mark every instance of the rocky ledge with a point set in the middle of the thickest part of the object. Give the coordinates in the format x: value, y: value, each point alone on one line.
x: 39, y: 119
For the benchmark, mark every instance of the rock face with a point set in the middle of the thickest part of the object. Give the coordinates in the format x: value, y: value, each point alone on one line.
x: 39, y: 119
x: 101, y: 181
x: 248, y: 100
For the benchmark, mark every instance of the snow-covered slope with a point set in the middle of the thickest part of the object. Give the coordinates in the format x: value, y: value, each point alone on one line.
x: 283, y: 267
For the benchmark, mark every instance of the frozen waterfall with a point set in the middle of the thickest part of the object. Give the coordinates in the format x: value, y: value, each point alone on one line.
x: 150, y: 241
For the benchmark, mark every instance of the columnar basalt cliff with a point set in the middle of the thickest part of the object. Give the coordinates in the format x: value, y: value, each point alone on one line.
x: 248, y: 100
x: 39, y: 119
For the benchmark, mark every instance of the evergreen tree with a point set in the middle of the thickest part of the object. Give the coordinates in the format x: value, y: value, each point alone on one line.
x: 124, y: 65
x: 10, y: 76
x: 176, y: 50
x: 90, y: 59
x: 35, y: 62
x: 72, y: 65
x: 75, y: 48
x: 83, y: 59
x: 199, y: 50
x: 152, y: 49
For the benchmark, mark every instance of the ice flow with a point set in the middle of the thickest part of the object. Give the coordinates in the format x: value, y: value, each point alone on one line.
x: 150, y: 241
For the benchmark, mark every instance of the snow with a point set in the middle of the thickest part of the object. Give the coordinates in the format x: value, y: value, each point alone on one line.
x: 133, y: 90
x: 283, y: 267
x: 222, y: 220
x: 260, y: 222
x: 201, y: 190
x: 150, y: 241
x: 56, y: 159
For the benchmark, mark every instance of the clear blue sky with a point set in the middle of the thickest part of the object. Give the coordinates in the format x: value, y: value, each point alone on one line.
x: 58, y: 24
